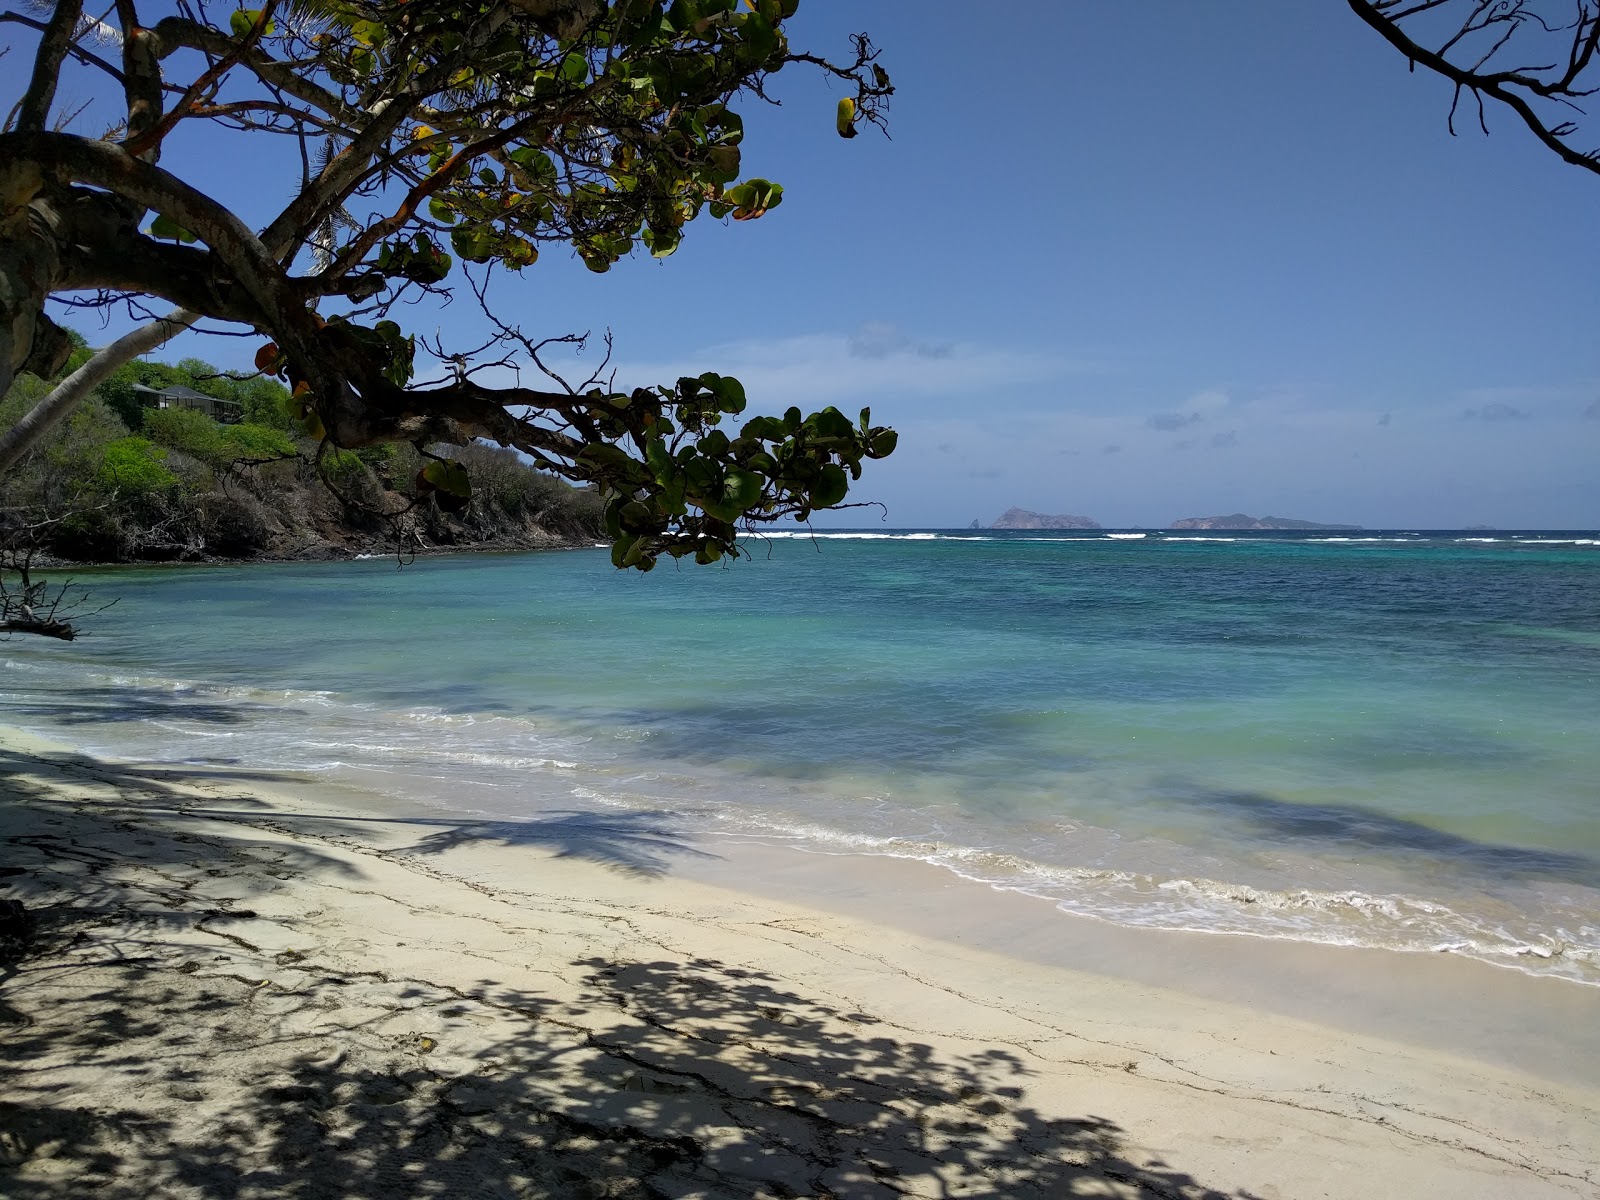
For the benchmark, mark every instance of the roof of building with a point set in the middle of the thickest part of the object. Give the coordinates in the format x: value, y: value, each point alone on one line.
x: 178, y: 392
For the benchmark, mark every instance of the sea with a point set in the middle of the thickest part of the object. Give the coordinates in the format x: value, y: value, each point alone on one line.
x: 1385, y: 739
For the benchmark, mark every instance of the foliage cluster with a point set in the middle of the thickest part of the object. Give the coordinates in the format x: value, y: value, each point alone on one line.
x: 435, y: 144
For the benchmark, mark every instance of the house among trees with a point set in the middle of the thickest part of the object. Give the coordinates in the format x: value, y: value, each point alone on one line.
x: 227, y: 412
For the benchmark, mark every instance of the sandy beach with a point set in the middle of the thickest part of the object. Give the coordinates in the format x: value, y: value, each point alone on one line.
x: 241, y: 986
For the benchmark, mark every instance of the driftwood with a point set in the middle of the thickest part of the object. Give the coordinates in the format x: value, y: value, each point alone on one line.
x: 55, y: 629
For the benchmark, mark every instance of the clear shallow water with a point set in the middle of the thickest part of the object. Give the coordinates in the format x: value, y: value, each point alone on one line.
x: 1375, y: 739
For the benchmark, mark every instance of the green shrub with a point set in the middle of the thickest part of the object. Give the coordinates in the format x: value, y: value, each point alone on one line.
x: 198, y: 436
x: 134, y: 466
x: 186, y: 429
x: 249, y: 440
x: 343, y: 466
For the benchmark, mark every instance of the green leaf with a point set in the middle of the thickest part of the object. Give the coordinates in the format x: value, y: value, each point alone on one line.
x: 441, y: 212
x: 726, y: 391
x: 882, y: 443
x: 574, y: 68
x: 473, y: 243
x: 534, y: 161
x: 166, y: 227
x: 831, y: 487
x: 830, y: 422
x: 662, y: 242
x: 243, y: 21
x: 741, y: 489
x: 767, y: 429
x: 449, y: 477
x: 759, y: 36
x: 660, y: 460
x: 752, y: 198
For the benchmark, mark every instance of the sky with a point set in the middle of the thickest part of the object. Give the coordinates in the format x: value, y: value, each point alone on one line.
x: 1131, y: 262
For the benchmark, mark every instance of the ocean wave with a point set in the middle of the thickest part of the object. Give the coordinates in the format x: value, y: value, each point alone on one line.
x: 1201, y: 905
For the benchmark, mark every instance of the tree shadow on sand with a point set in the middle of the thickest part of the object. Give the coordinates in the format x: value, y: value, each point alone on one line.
x: 641, y: 844
x: 221, y: 1064
x: 663, y: 1079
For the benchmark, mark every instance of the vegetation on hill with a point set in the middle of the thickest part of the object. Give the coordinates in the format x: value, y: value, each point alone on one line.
x: 119, y: 482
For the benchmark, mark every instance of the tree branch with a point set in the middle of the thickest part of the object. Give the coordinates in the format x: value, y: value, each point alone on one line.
x: 1497, y: 84
x: 53, y: 45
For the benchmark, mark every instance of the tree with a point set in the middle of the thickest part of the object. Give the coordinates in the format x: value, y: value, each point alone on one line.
x: 1536, y: 57
x: 441, y: 142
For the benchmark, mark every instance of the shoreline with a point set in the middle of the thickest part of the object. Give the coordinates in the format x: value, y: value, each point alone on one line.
x: 347, y: 555
x: 395, y: 996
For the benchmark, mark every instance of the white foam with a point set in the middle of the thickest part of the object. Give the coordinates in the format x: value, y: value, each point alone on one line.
x: 1200, y: 905
x: 1130, y: 537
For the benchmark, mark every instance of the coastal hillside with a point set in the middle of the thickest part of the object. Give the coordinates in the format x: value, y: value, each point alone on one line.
x: 1241, y: 521
x: 145, y: 471
x: 1021, y: 518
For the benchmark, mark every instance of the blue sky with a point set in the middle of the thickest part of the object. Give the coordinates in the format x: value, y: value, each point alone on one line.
x: 1135, y: 262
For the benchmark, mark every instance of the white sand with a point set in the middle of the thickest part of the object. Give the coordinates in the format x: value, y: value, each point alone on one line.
x: 240, y: 989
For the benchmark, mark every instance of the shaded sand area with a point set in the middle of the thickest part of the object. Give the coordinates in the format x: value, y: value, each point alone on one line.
x: 241, y: 987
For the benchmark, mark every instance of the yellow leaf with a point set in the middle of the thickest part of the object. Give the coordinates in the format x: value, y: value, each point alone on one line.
x: 845, y: 119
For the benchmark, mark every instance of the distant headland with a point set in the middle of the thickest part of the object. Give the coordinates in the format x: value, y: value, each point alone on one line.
x: 1241, y: 521
x: 1021, y: 518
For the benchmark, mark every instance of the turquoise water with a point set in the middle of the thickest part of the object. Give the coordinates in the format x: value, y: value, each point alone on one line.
x: 1379, y: 739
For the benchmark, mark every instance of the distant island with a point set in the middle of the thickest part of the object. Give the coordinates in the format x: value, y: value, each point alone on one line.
x: 1240, y: 521
x: 1021, y: 518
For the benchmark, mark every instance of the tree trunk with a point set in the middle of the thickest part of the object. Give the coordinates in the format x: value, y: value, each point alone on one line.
x: 25, y: 434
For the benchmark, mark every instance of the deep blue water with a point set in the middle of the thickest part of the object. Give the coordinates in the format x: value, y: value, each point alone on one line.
x: 1378, y: 738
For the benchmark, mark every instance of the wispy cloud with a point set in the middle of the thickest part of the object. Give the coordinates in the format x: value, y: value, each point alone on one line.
x: 878, y: 339
x: 876, y: 361
x: 1498, y: 410
x: 1170, y: 421
x: 1220, y: 441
